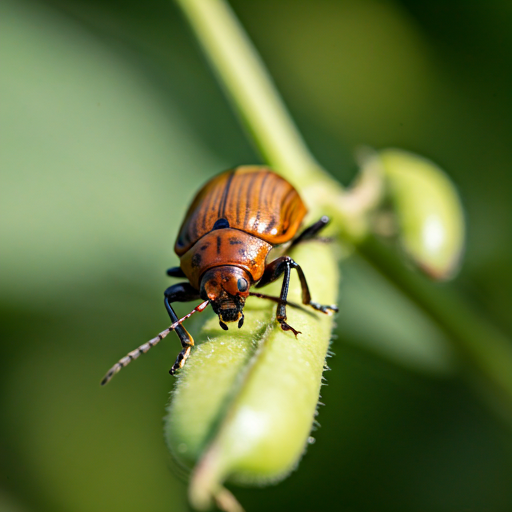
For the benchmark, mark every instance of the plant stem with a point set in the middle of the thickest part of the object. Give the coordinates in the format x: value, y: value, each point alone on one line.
x: 249, y: 87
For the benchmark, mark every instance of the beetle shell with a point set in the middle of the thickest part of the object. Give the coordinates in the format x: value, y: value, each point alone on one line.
x: 233, y: 224
x: 252, y: 199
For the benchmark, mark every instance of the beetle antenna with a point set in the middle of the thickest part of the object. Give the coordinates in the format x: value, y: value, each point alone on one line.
x: 134, y: 354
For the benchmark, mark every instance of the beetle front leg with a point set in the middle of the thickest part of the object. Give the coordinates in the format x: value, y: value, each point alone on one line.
x: 274, y: 270
x: 181, y: 292
x: 284, y: 265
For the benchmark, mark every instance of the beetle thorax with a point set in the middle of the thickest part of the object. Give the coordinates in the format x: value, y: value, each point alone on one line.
x: 227, y: 288
x: 225, y: 247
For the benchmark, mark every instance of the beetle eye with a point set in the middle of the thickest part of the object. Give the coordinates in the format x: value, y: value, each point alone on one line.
x: 242, y: 285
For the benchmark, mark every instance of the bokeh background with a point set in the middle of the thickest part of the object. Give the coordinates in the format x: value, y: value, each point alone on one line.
x: 111, y: 120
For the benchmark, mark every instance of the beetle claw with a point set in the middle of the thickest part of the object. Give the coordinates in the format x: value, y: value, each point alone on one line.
x: 286, y: 327
x: 180, y: 360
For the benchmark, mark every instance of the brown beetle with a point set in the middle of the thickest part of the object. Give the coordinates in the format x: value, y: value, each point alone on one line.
x: 235, y: 220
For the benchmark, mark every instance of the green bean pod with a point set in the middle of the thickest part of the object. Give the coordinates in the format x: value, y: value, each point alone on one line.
x: 244, y: 405
x: 429, y: 212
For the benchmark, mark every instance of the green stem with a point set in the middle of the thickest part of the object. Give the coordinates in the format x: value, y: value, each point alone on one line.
x: 249, y: 87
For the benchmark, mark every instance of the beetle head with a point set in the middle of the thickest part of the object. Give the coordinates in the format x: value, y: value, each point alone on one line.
x: 226, y: 288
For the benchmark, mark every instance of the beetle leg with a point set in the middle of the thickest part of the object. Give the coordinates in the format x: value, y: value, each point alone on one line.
x: 281, y: 307
x: 175, y: 272
x: 306, y: 295
x: 181, y: 292
x: 274, y: 270
x: 284, y: 265
x: 311, y: 231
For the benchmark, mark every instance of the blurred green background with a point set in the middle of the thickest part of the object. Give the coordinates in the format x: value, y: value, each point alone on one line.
x: 111, y: 120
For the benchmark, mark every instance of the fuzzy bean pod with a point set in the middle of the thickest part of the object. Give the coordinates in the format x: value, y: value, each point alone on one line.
x: 244, y: 405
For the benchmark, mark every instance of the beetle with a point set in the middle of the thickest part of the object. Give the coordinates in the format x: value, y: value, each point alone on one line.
x: 233, y: 223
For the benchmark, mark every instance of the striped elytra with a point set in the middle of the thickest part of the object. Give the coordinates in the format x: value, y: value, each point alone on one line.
x: 252, y: 199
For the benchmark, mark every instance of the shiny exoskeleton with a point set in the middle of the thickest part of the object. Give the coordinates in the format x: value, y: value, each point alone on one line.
x: 224, y: 242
